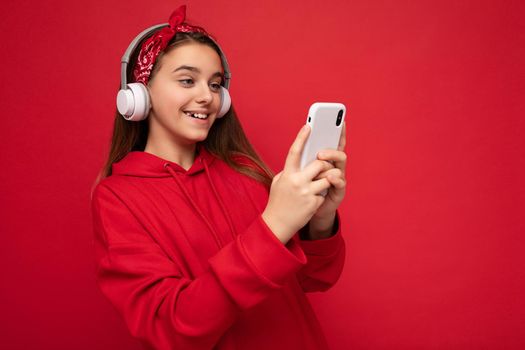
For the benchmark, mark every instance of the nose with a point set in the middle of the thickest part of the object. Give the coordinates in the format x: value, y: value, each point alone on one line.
x: 204, y: 94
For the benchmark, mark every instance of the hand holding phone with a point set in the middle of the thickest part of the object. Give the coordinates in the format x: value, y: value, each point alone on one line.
x: 326, y: 122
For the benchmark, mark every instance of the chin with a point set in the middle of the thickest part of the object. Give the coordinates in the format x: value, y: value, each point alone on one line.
x: 197, y: 136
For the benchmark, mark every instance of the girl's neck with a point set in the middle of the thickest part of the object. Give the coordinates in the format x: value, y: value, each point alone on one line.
x: 183, y: 155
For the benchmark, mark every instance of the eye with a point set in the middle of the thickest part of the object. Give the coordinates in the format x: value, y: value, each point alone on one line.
x: 186, y: 81
x: 216, y: 86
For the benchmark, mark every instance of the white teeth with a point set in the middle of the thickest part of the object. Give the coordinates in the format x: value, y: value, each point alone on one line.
x: 197, y: 115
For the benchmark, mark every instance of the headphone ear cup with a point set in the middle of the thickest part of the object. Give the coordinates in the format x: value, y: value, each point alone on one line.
x: 133, y: 103
x: 125, y: 102
x: 225, y: 102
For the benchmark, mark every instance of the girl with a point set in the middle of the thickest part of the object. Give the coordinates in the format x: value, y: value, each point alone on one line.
x: 197, y: 245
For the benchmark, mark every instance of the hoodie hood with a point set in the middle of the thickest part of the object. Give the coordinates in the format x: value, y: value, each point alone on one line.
x: 147, y: 165
x: 143, y: 164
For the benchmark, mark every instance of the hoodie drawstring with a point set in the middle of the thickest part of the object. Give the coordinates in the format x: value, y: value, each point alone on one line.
x: 177, y: 180
x: 223, y: 207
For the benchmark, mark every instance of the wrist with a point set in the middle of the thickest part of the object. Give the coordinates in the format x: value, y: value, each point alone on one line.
x: 279, y: 230
x: 322, y: 223
x: 321, y: 227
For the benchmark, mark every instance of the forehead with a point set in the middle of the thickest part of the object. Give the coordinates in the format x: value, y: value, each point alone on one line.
x: 193, y: 54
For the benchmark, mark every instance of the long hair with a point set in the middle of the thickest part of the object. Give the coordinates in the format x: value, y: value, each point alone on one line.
x: 226, y: 138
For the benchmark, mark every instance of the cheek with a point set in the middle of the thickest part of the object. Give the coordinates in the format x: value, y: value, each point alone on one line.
x: 169, y: 99
x: 217, y: 100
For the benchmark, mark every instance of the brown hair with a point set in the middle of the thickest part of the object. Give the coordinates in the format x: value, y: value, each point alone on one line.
x: 226, y: 138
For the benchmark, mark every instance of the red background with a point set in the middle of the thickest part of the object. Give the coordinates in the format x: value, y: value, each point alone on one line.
x: 433, y: 217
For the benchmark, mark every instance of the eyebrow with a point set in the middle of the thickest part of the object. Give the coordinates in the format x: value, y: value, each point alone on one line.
x: 197, y: 70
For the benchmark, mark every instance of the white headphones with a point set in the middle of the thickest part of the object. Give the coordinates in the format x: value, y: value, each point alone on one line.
x: 133, y: 101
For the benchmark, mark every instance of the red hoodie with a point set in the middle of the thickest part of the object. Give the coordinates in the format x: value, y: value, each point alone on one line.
x: 187, y: 260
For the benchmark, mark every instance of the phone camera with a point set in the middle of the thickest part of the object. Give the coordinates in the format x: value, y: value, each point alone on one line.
x: 339, y: 117
x: 309, y: 119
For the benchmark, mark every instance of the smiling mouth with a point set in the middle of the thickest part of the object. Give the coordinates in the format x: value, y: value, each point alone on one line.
x: 197, y: 115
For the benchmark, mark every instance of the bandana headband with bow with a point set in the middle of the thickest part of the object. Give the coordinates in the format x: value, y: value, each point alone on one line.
x: 153, y: 46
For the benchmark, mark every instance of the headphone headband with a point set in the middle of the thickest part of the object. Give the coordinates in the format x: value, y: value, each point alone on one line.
x: 145, y: 33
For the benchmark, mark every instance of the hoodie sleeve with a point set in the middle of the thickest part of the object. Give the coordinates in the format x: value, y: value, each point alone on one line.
x: 326, y: 258
x: 167, y: 310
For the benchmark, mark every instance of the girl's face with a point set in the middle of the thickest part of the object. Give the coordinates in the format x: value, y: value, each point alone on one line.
x: 187, y: 82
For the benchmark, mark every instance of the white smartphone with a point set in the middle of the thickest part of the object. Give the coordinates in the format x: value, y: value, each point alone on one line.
x: 326, y: 122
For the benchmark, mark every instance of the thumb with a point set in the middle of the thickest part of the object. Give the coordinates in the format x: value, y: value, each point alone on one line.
x: 277, y: 177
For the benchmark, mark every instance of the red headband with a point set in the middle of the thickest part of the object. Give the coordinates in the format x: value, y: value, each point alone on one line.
x: 157, y: 42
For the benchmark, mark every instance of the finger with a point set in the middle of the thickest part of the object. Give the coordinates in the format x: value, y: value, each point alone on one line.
x: 335, y: 172
x: 277, y: 176
x: 338, y: 157
x: 336, y: 181
x: 293, y: 160
x: 335, y: 177
x: 342, y: 139
x: 314, y: 168
x: 319, y: 185
x: 320, y: 200
x: 331, y: 155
